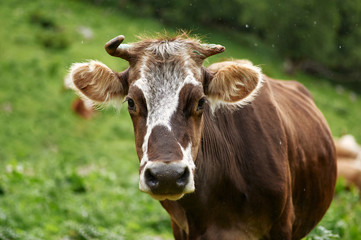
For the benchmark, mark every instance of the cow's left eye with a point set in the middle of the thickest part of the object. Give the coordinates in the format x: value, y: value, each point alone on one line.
x: 201, y: 104
x: 131, y: 104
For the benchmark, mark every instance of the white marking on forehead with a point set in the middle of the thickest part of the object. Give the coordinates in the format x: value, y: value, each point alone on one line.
x: 161, y: 86
x: 166, y: 47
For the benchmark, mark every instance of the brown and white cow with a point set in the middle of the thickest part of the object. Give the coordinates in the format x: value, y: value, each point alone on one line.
x: 229, y: 152
x: 348, y: 154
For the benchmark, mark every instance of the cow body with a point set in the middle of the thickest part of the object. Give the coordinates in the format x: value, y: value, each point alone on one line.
x: 261, y: 169
x: 229, y: 152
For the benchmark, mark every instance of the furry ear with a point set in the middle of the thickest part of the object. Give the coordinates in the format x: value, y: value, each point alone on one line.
x: 233, y: 83
x: 97, y: 82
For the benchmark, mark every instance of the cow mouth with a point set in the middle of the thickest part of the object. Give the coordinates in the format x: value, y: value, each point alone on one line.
x: 172, y: 197
x: 168, y: 196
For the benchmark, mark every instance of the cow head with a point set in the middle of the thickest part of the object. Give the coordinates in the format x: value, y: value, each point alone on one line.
x: 167, y: 90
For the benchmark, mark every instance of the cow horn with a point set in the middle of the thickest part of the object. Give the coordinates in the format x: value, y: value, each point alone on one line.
x: 116, y: 49
x: 211, y: 49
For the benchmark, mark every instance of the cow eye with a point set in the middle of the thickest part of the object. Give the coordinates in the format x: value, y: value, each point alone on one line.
x: 201, y: 104
x: 131, y: 104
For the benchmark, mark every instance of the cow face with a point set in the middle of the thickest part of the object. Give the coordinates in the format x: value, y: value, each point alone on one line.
x: 167, y: 91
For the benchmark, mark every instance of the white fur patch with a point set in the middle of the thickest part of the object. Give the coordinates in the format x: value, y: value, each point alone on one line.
x: 161, y: 91
x: 166, y: 48
x: 161, y: 86
x: 188, y: 160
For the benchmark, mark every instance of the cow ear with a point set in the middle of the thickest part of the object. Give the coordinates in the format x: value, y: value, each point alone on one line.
x: 232, y: 84
x: 95, y: 81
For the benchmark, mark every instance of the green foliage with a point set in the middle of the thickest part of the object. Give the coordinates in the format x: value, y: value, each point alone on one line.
x: 349, y: 34
x: 321, y: 233
x: 62, y: 177
x: 341, y: 220
x: 49, y: 32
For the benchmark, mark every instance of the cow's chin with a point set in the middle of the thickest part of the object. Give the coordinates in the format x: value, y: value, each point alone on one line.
x: 172, y: 197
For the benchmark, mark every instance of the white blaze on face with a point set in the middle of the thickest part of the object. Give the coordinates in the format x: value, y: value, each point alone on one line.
x: 162, y: 98
x: 188, y: 159
x: 161, y: 85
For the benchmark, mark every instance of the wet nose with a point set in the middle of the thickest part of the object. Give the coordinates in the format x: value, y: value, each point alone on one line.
x: 167, y: 178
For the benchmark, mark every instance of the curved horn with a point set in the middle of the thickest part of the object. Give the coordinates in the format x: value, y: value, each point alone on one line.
x: 116, y: 49
x: 211, y: 49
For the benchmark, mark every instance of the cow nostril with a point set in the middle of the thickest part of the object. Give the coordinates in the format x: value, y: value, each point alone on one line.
x: 151, y: 179
x: 183, y: 179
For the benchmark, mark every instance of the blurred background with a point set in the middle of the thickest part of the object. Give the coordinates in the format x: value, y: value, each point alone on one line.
x: 69, y: 178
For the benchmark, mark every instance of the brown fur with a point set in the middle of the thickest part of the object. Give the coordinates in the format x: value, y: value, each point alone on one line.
x: 235, y: 178
x: 264, y: 171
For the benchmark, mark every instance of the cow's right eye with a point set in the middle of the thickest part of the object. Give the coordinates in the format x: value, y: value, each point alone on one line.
x: 201, y: 104
x: 131, y: 104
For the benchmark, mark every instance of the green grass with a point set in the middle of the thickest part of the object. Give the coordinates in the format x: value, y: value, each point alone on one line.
x: 62, y: 177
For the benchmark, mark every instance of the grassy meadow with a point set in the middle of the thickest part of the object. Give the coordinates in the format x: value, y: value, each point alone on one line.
x: 66, y: 178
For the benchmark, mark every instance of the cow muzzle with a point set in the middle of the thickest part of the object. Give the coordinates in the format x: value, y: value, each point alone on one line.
x: 166, y: 180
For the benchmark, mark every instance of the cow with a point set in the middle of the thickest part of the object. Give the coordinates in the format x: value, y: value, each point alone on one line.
x: 229, y: 152
x: 348, y: 154
x: 83, y: 108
